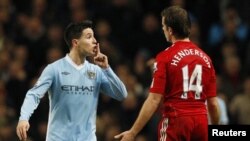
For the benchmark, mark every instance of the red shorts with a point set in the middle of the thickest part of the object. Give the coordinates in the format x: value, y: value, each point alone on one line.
x: 185, y: 128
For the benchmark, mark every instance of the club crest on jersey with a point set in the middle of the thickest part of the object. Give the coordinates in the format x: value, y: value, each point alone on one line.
x: 91, y: 74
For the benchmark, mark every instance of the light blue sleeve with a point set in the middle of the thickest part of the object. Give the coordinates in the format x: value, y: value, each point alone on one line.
x: 112, y: 86
x: 223, y: 109
x: 33, y: 96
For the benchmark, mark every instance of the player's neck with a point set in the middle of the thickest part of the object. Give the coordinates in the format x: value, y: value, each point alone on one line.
x: 76, y: 58
x: 182, y: 40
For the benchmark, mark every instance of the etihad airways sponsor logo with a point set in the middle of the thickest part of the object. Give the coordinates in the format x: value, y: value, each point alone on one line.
x: 72, y: 89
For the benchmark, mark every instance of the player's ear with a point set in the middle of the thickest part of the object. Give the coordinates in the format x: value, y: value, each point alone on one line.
x: 170, y: 30
x: 74, y: 42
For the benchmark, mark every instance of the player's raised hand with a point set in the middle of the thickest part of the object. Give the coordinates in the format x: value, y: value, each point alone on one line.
x: 21, y: 130
x: 100, y: 59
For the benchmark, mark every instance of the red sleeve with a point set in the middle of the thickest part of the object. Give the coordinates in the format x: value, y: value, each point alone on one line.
x: 159, y: 83
x: 211, y: 88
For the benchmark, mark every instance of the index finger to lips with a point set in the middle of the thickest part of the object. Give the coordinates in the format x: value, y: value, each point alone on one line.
x: 98, y: 48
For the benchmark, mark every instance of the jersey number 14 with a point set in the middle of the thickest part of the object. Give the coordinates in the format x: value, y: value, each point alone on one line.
x: 192, y: 84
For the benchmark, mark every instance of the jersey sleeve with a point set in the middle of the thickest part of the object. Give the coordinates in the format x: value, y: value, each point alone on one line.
x: 112, y: 86
x: 211, y: 88
x: 159, y: 82
x: 33, y: 96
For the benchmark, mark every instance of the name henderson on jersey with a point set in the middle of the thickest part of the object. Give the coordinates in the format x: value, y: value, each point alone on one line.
x: 185, y: 52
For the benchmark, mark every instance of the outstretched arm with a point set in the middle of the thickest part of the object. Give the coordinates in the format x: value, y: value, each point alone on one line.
x: 148, y: 109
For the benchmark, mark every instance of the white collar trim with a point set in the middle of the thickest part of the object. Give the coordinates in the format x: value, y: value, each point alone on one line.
x: 68, y: 59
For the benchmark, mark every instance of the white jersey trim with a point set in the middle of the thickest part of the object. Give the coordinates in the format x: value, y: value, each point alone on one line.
x: 68, y: 59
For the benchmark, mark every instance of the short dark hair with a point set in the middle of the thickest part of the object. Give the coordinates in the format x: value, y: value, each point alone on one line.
x: 74, y: 31
x: 177, y: 18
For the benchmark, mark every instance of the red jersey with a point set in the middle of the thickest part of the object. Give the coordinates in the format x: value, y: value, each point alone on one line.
x: 185, y: 76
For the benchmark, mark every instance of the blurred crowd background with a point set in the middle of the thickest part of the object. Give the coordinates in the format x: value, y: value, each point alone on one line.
x: 130, y: 34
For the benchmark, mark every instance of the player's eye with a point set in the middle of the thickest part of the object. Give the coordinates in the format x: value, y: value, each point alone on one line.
x: 89, y: 36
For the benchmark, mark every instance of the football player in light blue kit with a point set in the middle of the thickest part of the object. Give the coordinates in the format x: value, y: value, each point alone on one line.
x: 73, y: 86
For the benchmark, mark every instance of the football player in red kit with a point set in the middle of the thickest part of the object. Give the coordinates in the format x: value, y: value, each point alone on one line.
x: 183, y: 80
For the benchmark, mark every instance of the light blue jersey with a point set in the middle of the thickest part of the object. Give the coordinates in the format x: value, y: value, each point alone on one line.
x: 73, y: 93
